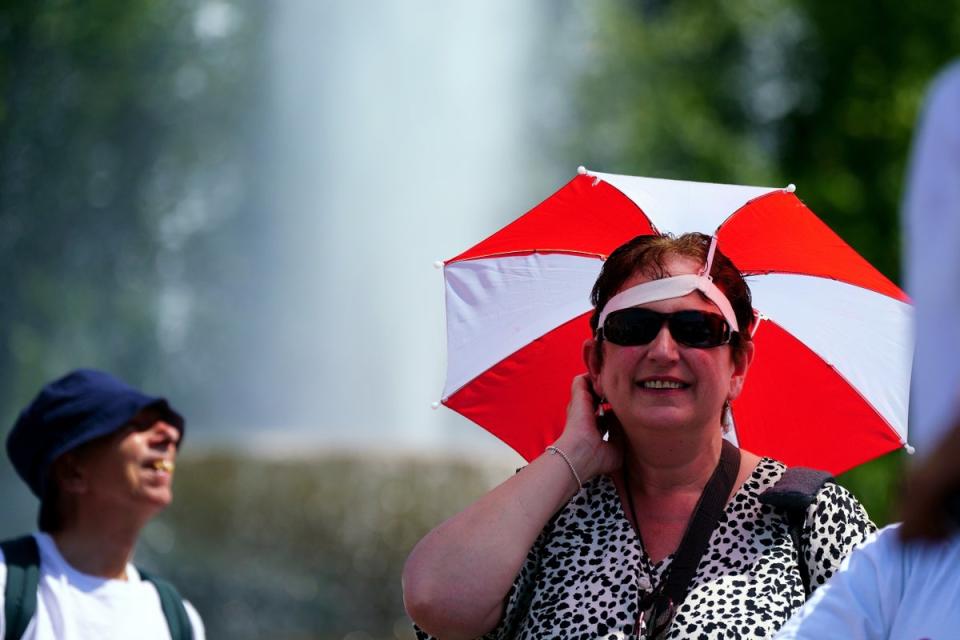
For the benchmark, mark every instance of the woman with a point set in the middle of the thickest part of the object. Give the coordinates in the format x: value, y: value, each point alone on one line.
x: 581, y: 543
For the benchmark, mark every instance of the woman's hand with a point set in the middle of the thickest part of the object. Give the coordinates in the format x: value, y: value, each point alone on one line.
x: 582, y: 440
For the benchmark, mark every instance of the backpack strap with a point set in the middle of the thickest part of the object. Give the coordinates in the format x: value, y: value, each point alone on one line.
x: 22, y: 558
x: 793, y: 493
x: 173, y: 609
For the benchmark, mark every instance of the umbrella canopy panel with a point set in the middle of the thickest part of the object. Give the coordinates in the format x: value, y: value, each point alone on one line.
x: 833, y: 348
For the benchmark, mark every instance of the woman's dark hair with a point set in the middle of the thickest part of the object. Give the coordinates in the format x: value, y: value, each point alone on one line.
x: 647, y: 255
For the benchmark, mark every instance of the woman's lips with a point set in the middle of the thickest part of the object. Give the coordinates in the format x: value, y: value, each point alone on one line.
x: 659, y: 384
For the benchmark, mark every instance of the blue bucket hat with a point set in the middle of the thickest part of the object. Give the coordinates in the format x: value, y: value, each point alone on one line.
x: 83, y: 405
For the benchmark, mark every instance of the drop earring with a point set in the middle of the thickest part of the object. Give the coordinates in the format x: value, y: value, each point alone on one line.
x: 726, y: 417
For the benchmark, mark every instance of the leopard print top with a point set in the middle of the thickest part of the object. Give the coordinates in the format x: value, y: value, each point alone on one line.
x: 584, y: 576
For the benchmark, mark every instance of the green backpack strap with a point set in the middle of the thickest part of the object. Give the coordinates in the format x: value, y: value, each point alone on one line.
x: 22, y: 558
x: 173, y: 608
x: 794, y: 492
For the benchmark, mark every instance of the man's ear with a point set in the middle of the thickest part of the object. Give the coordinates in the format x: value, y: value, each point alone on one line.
x: 591, y: 358
x: 68, y: 473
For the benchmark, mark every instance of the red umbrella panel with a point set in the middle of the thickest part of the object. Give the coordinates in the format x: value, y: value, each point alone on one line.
x: 829, y: 384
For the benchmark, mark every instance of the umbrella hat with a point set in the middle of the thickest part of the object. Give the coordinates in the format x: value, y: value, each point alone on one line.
x: 828, y: 387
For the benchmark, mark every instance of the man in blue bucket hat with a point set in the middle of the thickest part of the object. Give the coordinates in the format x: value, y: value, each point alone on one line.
x: 100, y: 456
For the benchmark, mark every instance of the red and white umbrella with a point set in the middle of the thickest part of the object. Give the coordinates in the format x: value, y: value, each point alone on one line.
x: 829, y: 383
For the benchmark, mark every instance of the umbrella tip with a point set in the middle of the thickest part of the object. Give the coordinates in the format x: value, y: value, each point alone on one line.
x: 791, y: 188
x: 434, y: 405
x: 909, y: 448
x: 582, y: 170
x: 438, y: 264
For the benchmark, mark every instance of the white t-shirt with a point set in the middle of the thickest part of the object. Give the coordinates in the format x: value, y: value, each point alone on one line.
x: 931, y: 217
x: 886, y: 589
x: 76, y: 606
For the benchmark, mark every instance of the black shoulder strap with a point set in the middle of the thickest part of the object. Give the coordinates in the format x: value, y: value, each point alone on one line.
x: 22, y: 558
x: 657, y: 610
x: 793, y: 493
x: 704, y: 521
x: 173, y: 608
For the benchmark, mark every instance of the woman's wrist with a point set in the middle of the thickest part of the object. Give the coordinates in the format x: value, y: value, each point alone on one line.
x: 580, y: 456
x: 557, y: 451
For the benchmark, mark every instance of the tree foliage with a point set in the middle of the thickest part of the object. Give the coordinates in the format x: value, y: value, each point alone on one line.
x: 119, y: 163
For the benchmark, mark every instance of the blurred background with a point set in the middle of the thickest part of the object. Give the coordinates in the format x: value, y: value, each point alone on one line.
x: 237, y: 204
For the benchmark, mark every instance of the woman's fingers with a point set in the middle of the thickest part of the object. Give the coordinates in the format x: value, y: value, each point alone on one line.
x: 582, y: 433
x: 582, y: 409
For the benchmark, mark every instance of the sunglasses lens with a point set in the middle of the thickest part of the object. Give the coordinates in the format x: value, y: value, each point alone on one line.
x: 698, y: 329
x: 633, y: 327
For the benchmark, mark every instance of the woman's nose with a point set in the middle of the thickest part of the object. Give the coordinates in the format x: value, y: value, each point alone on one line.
x: 663, y: 346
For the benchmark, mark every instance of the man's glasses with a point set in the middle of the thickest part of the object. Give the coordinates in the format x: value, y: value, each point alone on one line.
x: 637, y: 326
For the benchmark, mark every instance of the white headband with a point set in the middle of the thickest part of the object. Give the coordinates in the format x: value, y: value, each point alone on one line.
x: 674, y: 287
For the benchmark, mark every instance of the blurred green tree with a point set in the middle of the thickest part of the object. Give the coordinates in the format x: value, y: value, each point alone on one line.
x: 120, y: 169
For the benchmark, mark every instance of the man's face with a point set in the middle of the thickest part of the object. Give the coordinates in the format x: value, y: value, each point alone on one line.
x: 131, y: 468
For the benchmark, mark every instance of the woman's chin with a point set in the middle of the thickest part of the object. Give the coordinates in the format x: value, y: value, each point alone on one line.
x: 671, y: 419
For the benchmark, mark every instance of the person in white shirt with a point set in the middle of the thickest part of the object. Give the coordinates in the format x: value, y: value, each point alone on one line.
x: 904, y: 582
x: 100, y: 455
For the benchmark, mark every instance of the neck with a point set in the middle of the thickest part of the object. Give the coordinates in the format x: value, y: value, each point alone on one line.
x: 660, y: 465
x: 99, y: 546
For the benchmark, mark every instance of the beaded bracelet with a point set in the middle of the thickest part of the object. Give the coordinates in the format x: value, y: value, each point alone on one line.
x: 556, y: 450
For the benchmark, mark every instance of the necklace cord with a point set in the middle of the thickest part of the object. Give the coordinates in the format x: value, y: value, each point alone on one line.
x: 673, y: 588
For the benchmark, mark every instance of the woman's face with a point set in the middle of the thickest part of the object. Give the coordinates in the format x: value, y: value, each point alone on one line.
x: 664, y: 384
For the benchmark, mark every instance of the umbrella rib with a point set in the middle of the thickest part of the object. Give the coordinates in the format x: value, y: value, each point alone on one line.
x: 524, y: 252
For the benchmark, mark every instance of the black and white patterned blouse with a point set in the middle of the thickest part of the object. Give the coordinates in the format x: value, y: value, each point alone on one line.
x: 584, y: 576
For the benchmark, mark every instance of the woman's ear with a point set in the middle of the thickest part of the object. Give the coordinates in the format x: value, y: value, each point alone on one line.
x: 741, y: 364
x: 591, y: 358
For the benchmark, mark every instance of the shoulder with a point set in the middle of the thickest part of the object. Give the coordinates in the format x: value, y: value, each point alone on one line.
x: 199, y: 633
x: 945, y: 88
x: 838, y: 517
x: 835, y: 498
x: 836, y: 522
x: 882, y: 543
x: 938, y: 121
x: 595, y: 508
x: 168, y: 594
x: 597, y: 501
x: 886, y: 547
x: 765, y: 474
x: 827, y: 499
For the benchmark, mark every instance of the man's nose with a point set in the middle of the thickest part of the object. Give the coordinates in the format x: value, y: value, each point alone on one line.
x: 164, y: 433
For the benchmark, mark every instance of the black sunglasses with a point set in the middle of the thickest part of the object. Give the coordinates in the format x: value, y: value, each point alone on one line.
x: 637, y: 326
